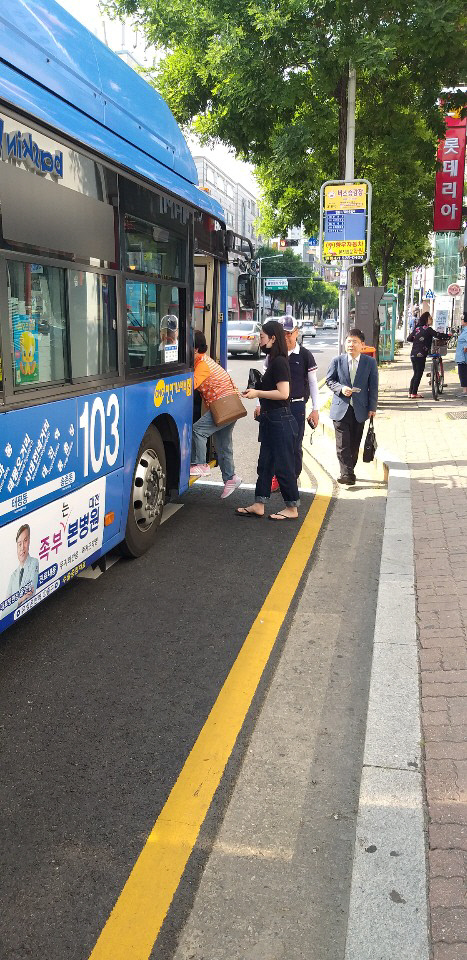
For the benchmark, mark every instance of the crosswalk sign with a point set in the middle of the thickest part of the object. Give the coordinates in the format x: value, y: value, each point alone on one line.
x: 429, y: 295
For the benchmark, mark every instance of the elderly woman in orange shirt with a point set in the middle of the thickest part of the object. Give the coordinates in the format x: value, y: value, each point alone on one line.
x: 212, y: 382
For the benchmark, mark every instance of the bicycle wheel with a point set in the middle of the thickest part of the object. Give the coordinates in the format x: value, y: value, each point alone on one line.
x: 441, y: 376
x: 435, y: 380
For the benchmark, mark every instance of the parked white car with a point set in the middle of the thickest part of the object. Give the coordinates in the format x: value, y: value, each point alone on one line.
x: 330, y: 324
x: 243, y: 337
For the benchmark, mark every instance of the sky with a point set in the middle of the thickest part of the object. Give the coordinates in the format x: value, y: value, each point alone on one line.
x: 118, y: 36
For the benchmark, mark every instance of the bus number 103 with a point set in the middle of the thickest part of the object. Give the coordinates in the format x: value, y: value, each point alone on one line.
x: 101, y: 438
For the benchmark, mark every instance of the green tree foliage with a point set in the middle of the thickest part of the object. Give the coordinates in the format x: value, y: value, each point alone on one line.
x: 309, y: 291
x: 269, y: 77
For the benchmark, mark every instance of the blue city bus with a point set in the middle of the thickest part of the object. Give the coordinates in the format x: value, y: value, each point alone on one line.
x: 109, y: 256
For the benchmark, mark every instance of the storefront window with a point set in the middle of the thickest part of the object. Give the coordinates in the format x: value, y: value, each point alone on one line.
x: 446, y: 261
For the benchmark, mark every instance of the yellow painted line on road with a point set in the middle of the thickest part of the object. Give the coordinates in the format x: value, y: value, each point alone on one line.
x: 137, y: 917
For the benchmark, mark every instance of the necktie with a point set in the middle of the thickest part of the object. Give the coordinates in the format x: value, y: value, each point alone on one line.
x: 352, y: 370
x: 21, y: 574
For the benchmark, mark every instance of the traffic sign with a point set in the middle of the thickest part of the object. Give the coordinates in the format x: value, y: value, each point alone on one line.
x: 454, y: 290
x: 313, y: 241
x: 276, y: 283
x: 429, y: 295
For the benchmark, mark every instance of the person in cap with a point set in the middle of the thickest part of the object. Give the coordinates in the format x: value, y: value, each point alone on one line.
x: 303, y: 384
x: 169, y: 331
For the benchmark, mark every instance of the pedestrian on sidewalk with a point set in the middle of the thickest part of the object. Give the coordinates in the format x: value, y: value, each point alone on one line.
x: 303, y: 384
x: 461, y: 356
x: 421, y: 339
x: 353, y: 379
x: 212, y: 382
x: 277, y: 429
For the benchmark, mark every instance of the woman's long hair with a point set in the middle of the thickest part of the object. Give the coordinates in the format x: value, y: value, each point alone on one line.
x: 273, y: 328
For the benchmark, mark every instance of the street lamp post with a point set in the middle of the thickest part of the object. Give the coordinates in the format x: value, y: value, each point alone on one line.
x: 278, y: 256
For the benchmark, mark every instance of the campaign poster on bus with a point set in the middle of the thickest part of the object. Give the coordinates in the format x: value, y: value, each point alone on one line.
x: 48, y: 547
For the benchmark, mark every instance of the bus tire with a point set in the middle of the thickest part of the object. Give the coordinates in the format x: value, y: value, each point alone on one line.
x: 147, y: 495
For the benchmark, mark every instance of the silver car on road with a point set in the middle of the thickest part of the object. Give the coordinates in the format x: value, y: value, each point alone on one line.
x: 243, y: 337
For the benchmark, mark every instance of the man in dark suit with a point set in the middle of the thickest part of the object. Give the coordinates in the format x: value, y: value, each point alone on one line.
x: 353, y: 379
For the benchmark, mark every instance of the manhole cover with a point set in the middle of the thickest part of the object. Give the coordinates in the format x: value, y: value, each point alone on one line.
x: 458, y: 415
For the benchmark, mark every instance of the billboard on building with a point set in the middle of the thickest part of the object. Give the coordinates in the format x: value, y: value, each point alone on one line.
x: 449, y: 184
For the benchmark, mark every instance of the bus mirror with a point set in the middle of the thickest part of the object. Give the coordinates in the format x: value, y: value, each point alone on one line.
x: 230, y: 241
x: 246, y: 287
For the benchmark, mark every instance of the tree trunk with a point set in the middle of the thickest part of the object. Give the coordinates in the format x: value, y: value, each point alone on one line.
x: 385, y: 268
x: 372, y: 274
x: 358, y: 278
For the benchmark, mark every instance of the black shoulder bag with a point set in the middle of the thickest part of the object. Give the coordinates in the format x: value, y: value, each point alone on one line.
x: 370, y: 445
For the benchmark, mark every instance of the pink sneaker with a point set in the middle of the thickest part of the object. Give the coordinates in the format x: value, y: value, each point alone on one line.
x: 200, y: 470
x: 230, y: 486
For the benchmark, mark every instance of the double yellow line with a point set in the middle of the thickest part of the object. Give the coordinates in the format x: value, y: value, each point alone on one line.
x: 137, y: 917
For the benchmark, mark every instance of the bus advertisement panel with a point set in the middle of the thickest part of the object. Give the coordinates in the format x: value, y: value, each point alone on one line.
x: 56, y: 447
x: 53, y: 545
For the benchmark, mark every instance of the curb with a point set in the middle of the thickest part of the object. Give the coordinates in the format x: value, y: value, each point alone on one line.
x: 388, y: 910
x: 388, y: 896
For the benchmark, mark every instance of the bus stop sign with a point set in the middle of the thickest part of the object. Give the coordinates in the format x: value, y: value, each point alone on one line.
x: 345, y: 221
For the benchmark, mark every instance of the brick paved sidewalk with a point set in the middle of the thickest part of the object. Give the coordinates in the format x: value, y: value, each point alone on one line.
x: 435, y: 447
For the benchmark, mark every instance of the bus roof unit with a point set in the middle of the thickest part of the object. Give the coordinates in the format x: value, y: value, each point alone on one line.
x: 55, y: 69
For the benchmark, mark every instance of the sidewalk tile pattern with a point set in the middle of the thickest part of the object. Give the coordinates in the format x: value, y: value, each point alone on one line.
x: 435, y: 449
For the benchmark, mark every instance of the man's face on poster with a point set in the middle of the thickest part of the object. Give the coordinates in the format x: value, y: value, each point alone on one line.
x: 22, y: 546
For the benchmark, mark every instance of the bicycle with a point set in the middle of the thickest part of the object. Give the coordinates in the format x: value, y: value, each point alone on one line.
x: 436, y: 375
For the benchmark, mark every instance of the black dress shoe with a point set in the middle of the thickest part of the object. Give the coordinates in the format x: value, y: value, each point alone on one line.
x: 347, y: 481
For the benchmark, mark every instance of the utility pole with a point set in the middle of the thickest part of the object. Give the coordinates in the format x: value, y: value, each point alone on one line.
x: 344, y: 295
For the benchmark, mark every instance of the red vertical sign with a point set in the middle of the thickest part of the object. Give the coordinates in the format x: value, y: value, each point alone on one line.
x: 449, y: 185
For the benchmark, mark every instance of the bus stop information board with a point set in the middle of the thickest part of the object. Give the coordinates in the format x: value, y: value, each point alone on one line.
x: 345, y: 221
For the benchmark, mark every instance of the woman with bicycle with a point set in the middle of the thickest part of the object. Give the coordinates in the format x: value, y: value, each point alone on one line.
x: 421, y: 339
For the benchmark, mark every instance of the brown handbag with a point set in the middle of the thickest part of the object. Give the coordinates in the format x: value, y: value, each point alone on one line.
x: 227, y: 409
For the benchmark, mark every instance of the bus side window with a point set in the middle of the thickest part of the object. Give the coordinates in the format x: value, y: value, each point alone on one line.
x: 48, y: 304
x: 153, y: 316
x: 36, y: 306
x: 93, y: 326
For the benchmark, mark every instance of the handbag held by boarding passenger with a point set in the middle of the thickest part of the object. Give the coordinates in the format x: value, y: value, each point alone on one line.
x: 370, y: 445
x: 227, y: 409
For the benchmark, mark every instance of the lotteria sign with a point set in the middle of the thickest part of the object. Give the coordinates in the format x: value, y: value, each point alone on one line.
x: 22, y: 148
x: 449, y: 184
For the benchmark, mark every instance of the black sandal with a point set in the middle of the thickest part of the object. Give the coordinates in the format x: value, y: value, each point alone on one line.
x: 244, y: 512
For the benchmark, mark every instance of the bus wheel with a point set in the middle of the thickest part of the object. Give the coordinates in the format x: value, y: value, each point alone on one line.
x: 147, y: 496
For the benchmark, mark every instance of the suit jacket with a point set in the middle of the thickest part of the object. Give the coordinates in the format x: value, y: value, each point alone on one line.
x: 30, y: 577
x: 366, y: 378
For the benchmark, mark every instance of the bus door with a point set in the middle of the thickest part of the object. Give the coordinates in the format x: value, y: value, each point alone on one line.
x: 207, y: 318
x: 207, y: 313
